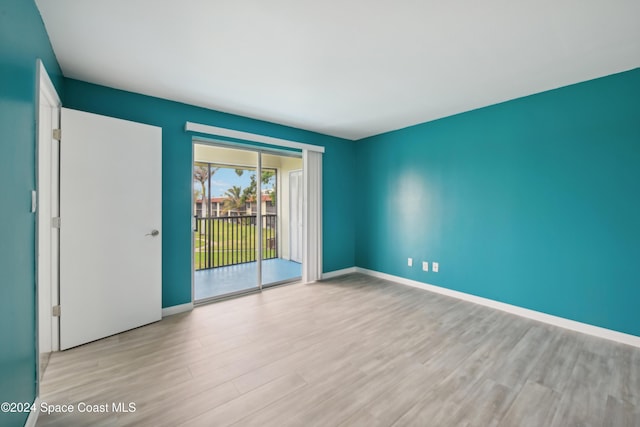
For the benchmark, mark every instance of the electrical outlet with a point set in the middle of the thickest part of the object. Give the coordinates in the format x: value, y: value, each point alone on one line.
x: 410, y: 262
x: 435, y: 266
x: 425, y: 266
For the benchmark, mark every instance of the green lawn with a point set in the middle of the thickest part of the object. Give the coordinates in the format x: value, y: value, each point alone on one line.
x: 225, y: 244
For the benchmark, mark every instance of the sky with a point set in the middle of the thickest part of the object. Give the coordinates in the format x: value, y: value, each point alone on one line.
x: 225, y: 178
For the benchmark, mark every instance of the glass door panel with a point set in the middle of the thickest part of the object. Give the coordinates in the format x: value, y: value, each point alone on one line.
x: 226, y: 223
x: 279, y: 262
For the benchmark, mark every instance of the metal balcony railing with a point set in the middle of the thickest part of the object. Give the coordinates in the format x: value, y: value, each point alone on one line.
x: 223, y: 241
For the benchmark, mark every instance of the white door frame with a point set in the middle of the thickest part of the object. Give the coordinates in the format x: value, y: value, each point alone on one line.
x: 312, y: 166
x: 47, y: 150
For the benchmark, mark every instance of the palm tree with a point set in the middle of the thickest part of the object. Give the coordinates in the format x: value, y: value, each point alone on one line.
x: 249, y: 193
x: 203, y: 173
x: 233, y: 199
x: 196, y: 196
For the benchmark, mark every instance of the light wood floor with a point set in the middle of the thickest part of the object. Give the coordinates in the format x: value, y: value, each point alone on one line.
x: 353, y: 351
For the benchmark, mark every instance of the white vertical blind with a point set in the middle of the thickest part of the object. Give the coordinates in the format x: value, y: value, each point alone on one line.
x: 312, y: 214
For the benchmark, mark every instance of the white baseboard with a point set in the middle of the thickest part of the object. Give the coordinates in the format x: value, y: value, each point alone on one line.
x: 175, y: 309
x: 336, y: 273
x: 572, y: 325
x: 33, y: 415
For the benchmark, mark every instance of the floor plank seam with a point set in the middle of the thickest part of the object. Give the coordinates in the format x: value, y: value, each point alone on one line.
x: 352, y: 349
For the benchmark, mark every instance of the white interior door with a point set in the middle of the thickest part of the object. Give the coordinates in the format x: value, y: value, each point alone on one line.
x: 295, y: 219
x: 110, y: 233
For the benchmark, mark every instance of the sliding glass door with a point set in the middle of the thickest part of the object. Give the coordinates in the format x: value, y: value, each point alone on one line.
x: 242, y: 232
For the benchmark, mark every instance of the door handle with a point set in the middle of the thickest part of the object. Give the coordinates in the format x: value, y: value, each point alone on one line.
x: 153, y: 233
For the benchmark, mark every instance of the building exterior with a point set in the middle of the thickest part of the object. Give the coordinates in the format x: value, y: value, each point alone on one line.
x: 217, y: 208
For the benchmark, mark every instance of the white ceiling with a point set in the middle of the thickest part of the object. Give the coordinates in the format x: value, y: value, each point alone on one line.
x: 349, y: 68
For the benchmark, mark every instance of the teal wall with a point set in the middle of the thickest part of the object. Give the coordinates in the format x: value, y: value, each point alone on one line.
x: 338, y: 179
x: 533, y: 202
x: 22, y: 40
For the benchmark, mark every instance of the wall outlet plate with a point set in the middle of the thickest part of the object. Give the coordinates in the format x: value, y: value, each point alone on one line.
x: 425, y: 266
x: 435, y: 266
x: 410, y: 262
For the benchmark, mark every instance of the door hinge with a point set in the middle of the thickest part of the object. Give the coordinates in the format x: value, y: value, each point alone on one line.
x: 57, y: 134
x: 55, y: 222
x: 56, y: 311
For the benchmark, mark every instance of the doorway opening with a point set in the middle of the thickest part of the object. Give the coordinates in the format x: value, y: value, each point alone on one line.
x: 242, y: 207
